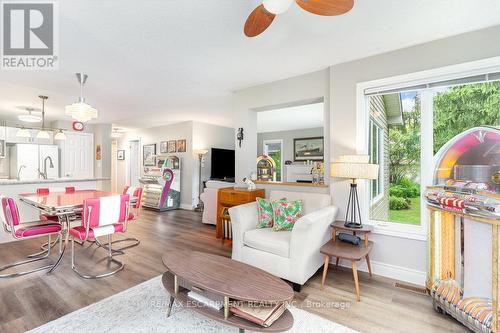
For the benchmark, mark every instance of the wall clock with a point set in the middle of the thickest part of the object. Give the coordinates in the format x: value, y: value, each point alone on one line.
x: 78, y: 126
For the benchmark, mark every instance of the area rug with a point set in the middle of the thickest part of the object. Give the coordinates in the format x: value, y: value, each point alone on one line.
x: 142, y: 309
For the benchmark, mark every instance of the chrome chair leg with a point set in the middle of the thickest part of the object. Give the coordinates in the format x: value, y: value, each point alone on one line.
x: 130, y: 239
x: 116, y: 252
x: 110, y: 259
x: 32, y: 259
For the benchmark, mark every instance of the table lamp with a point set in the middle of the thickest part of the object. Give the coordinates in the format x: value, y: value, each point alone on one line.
x: 354, y: 167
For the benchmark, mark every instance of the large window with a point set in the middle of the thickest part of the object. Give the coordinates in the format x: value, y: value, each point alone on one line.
x: 450, y: 110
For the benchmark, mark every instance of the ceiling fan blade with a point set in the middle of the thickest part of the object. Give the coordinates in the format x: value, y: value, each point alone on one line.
x: 258, y: 21
x: 326, y: 7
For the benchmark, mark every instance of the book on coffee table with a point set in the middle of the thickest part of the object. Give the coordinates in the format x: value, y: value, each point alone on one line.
x: 263, y: 315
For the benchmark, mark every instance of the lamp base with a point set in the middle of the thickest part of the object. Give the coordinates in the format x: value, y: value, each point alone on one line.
x: 353, y: 213
x: 353, y: 225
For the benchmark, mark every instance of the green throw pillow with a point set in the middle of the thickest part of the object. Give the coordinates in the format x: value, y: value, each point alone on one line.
x: 286, y: 213
x: 266, y: 217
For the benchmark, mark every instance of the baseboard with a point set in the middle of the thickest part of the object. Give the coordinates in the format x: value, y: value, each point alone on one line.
x: 186, y: 206
x: 390, y: 271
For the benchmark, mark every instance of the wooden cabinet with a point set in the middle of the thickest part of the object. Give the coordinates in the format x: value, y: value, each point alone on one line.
x: 227, y: 198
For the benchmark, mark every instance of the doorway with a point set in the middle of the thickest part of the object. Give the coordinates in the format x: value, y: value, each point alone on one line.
x: 134, y: 162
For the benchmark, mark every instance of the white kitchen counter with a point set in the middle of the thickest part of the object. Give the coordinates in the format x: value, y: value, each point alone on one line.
x: 12, y: 188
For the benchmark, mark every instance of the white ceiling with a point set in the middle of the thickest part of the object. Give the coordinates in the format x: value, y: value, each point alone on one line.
x: 162, y: 61
x: 292, y: 118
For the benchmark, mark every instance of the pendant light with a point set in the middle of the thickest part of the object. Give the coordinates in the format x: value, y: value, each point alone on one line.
x: 60, y: 136
x: 80, y: 110
x: 23, y: 133
x: 43, y: 134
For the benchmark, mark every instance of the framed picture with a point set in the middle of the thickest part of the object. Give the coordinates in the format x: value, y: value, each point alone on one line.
x: 172, y: 147
x: 181, y: 146
x: 98, y: 152
x: 120, y: 155
x: 163, y: 147
x: 309, y: 149
x: 148, y: 152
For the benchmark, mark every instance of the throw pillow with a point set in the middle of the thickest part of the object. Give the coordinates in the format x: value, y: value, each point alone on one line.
x: 265, y: 213
x: 286, y: 213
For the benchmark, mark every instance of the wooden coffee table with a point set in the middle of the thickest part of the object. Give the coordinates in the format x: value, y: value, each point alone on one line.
x: 227, y: 278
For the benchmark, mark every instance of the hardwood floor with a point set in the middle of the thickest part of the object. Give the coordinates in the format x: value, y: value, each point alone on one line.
x: 32, y: 300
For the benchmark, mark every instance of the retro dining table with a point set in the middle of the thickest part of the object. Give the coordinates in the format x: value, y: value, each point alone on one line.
x: 64, y: 206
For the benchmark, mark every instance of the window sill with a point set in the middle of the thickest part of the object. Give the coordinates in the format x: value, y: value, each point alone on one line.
x: 399, y: 230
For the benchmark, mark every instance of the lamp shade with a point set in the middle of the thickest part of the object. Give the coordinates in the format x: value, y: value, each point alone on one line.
x: 354, y: 167
x: 43, y: 135
x: 60, y: 136
x: 81, y: 111
x: 23, y: 133
x: 201, y: 151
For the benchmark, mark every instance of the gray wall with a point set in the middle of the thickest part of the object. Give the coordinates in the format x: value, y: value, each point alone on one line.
x: 287, y: 137
x: 411, y: 254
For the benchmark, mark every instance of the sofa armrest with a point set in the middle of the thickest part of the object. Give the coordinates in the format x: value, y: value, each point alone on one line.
x: 243, y: 218
x: 310, y: 233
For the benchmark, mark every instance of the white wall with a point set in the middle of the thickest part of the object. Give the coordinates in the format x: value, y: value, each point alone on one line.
x: 392, y: 253
x: 401, y: 258
x: 206, y: 136
x: 198, y: 135
x: 305, y: 88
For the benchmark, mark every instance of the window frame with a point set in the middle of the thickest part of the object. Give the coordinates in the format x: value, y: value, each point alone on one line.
x: 451, y: 72
x: 265, y: 152
x: 380, y: 159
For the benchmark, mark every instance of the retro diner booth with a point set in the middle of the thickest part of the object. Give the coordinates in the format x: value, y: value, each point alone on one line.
x: 464, y: 207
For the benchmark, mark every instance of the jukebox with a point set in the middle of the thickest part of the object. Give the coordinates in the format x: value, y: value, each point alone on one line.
x: 162, y: 184
x: 464, y: 206
x: 266, y: 169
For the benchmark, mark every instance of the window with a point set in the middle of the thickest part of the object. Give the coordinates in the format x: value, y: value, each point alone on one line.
x: 376, y: 156
x: 274, y: 149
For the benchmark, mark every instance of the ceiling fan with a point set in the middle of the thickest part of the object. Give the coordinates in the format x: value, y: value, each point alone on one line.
x: 262, y: 16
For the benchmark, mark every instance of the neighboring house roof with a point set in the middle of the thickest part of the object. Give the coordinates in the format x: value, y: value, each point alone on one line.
x: 393, y: 109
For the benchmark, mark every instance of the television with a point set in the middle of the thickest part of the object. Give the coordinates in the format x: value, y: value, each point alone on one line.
x: 222, y: 164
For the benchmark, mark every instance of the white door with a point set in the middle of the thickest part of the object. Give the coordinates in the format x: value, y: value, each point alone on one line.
x: 52, y: 151
x: 134, y: 164
x: 77, y: 155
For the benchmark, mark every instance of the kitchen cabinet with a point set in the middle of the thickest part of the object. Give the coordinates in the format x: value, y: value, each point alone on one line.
x: 77, y: 155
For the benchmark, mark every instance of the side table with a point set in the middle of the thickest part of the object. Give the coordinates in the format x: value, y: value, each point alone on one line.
x: 342, y: 250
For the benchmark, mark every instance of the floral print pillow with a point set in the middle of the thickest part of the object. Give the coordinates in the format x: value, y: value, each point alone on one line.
x: 265, y: 213
x: 286, y: 213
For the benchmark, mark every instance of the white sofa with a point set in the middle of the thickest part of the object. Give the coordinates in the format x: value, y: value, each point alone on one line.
x: 292, y: 255
x: 209, y: 198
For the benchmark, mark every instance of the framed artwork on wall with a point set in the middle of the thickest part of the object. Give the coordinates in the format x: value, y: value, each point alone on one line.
x: 305, y: 149
x: 148, y: 153
x: 181, y: 146
x: 172, y: 146
x: 98, y: 152
x: 120, y: 155
x: 163, y: 147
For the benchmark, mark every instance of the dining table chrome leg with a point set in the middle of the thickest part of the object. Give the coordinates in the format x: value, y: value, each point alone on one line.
x: 63, y: 249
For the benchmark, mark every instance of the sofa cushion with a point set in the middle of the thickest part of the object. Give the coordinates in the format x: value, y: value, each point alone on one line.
x: 311, y: 202
x: 286, y: 213
x: 267, y: 240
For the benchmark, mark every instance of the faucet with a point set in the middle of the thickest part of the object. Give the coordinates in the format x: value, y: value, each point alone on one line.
x: 51, y: 165
x: 19, y: 172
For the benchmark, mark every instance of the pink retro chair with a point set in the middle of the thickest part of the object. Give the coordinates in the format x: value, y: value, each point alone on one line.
x: 12, y: 225
x: 103, y: 216
x: 137, y: 205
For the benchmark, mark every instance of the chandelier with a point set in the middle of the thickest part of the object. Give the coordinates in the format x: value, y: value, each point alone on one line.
x: 80, y: 110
